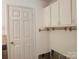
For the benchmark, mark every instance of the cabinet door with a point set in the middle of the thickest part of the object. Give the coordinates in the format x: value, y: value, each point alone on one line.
x: 74, y: 15
x: 46, y: 16
x: 65, y: 12
x: 54, y: 14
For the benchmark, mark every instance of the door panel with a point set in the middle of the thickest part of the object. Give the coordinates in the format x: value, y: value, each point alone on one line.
x: 16, y: 29
x: 20, y: 33
x: 26, y: 29
x: 14, y: 12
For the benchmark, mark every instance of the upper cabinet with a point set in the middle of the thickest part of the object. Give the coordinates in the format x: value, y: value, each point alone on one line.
x: 46, y: 16
x: 65, y: 12
x: 60, y: 13
x: 54, y: 14
x: 74, y: 13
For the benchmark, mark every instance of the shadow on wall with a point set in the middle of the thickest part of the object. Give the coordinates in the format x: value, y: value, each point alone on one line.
x: 48, y: 2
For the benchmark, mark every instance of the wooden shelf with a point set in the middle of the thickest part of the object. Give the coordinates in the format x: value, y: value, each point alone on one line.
x: 70, y: 28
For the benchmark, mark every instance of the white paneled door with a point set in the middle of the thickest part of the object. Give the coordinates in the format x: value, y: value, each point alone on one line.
x: 20, y: 30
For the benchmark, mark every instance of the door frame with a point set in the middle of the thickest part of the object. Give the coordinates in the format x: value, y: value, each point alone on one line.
x: 34, y: 30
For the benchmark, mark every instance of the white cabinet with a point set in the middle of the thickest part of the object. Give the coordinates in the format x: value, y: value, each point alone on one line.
x: 46, y: 16
x: 54, y: 14
x: 65, y: 12
x: 74, y: 13
x: 60, y: 13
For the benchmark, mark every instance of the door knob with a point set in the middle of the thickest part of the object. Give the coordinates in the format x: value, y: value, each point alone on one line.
x: 11, y: 42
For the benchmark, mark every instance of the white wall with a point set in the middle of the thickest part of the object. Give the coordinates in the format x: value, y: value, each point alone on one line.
x: 41, y: 37
x: 63, y: 42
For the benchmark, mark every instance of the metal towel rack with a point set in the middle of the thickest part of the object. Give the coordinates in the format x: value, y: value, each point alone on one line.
x: 70, y: 28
